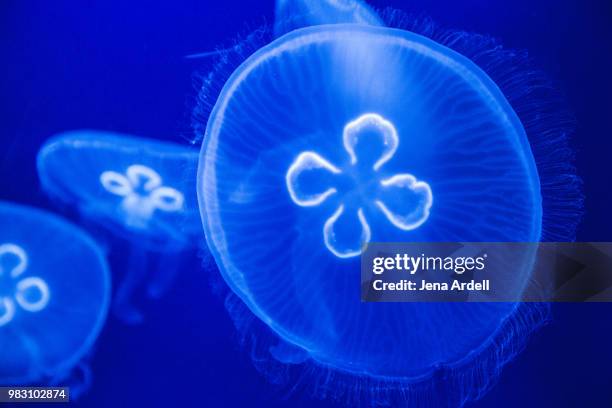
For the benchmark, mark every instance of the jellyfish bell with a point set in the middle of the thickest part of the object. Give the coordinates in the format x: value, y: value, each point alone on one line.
x: 54, y: 295
x: 136, y: 190
x: 338, y: 135
x: 294, y: 14
x: 367, y: 128
x: 128, y: 184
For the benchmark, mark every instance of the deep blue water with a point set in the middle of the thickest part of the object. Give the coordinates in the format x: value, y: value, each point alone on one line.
x: 119, y: 66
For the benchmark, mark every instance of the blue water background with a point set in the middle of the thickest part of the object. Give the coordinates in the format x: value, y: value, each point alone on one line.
x: 119, y: 66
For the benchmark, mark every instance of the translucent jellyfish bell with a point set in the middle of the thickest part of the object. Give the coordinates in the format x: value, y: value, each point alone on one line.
x: 54, y: 295
x: 293, y: 14
x: 125, y: 183
x: 334, y: 136
x: 140, y: 190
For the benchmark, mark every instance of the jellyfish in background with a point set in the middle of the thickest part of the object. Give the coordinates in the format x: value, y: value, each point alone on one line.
x: 294, y: 14
x: 54, y: 295
x: 138, y: 190
x: 336, y: 135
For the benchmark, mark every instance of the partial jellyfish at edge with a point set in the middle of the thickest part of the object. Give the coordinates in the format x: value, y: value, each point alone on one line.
x: 137, y: 190
x: 294, y: 14
x: 290, y: 188
x: 54, y: 296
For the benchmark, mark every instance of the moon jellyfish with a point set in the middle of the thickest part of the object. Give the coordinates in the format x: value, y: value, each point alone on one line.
x: 334, y: 136
x: 138, y: 190
x: 293, y: 14
x: 54, y: 295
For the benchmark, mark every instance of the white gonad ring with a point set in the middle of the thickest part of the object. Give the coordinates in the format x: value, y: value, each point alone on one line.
x: 31, y: 294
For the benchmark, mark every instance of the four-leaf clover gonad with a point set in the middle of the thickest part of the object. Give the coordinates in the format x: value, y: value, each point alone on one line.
x: 30, y: 294
x: 358, y: 184
x: 143, y: 192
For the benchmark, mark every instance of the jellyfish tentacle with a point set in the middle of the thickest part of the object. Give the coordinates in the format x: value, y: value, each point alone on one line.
x: 418, y: 204
x: 122, y: 303
x: 29, y: 284
x: 116, y: 183
x: 19, y: 253
x: 355, y: 129
x: 333, y: 241
x: 136, y: 172
x: 307, y: 162
x: 8, y: 306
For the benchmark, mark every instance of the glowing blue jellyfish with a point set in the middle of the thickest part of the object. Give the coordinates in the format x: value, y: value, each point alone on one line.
x: 130, y: 185
x: 334, y: 136
x: 294, y: 14
x: 54, y: 295
x: 137, y: 189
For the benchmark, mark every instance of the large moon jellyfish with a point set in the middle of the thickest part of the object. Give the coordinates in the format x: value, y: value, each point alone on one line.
x: 54, y: 295
x: 338, y: 135
x: 139, y: 190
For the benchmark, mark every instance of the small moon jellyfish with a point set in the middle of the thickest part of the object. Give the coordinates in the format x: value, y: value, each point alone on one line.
x: 139, y: 190
x: 54, y: 295
x: 334, y: 136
